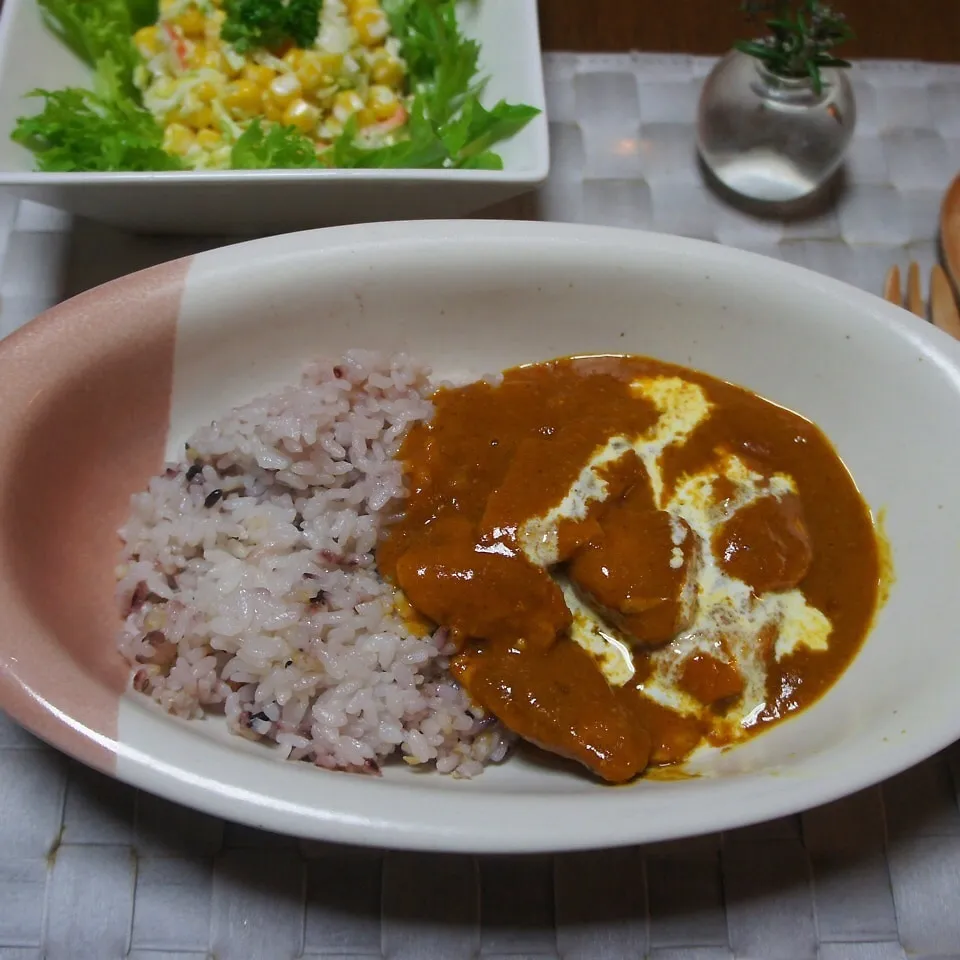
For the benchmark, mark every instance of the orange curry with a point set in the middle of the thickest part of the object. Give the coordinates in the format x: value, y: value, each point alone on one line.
x: 496, y: 455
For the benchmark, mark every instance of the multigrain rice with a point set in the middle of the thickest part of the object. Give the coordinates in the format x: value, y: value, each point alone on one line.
x: 248, y: 581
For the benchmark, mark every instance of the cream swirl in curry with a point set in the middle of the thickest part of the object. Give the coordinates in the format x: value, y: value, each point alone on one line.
x: 633, y: 558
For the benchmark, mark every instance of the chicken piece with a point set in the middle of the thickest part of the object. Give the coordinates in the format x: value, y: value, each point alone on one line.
x: 673, y: 736
x: 766, y: 544
x: 554, y: 489
x: 639, y: 573
x: 710, y: 680
x: 484, y: 595
x: 559, y: 700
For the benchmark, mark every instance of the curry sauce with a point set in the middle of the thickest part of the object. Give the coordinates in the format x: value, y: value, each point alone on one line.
x: 596, y: 506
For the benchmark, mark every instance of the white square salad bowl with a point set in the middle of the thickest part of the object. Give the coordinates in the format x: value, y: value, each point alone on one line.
x: 248, y: 202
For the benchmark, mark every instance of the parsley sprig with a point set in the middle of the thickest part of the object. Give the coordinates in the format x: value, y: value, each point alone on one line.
x: 270, y: 23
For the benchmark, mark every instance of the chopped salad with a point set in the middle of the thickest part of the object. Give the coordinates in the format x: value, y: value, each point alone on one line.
x: 261, y: 84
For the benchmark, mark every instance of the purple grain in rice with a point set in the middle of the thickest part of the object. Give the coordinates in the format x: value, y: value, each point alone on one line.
x: 270, y: 606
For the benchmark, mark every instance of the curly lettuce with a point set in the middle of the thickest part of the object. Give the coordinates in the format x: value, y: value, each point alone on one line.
x: 271, y: 148
x: 93, y: 29
x: 94, y: 131
x: 105, y: 129
x: 448, y: 126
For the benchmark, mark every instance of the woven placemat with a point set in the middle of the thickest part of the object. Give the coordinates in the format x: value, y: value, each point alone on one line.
x: 93, y: 870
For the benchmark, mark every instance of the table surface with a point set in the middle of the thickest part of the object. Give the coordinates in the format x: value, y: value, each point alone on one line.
x: 93, y: 870
x: 922, y: 30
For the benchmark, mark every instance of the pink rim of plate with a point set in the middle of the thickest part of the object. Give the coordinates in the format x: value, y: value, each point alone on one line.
x: 60, y: 673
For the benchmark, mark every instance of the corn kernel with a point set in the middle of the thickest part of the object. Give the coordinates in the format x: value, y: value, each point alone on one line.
x: 200, y: 118
x: 167, y: 7
x: 356, y: 7
x: 302, y: 115
x: 382, y: 101
x: 165, y: 88
x: 318, y: 70
x: 371, y: 26
x: 366, y: 117
x: 243, y: 99
x: 387, y: 71
x: 191, y: 22
x: 321, y: 98
x: 206, y: 92
x: 260, y: 75
x: 209, y: 139
x: 147, y: 41
x: 294, y: 57
x: 331, y: 128
x: 331, y: 63
x: 345, y: 104
x: 310, y: 74
x: 273, y: 112
x: 197, y: 55
x: 178, y: 139
x: 215, y: 61
x: 283, y: 90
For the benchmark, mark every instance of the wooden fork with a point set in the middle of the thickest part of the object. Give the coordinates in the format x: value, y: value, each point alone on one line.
x: 943, y: 307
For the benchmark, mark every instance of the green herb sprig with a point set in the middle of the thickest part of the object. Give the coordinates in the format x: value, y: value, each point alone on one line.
x: 802, y: 35
x: 270, y: 24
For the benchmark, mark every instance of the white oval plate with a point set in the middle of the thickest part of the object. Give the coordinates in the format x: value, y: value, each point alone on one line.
x: 100, y: 386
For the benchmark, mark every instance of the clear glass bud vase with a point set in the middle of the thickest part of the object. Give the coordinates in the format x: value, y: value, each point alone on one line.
x: 773, y: 138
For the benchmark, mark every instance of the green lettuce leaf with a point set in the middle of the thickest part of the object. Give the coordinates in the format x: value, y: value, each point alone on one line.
x: 448, y: 125
x: 143, y: 13
x: 442, y: 62
x: 104, y: 129
x: 94, y: 131
x: 93, y: 29
x: 483, y: 161
x: 476, y: 129
x: 421, y: 148
x: 272, y: 148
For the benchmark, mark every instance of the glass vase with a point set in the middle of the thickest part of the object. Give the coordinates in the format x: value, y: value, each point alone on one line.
x: 773, y: 138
